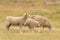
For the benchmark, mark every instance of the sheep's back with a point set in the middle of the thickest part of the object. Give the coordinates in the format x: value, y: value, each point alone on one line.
x: 13, y: 20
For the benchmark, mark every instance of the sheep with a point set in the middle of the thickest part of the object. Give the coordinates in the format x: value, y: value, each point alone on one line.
x: 31, y: 23
x: 44, y: 22
x: 15, y: 21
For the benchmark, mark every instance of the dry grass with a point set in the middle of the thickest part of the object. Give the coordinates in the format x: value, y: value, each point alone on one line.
x: 14, y: 34
x: 14, y: 8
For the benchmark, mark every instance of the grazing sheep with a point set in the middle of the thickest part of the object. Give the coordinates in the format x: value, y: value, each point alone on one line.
x: 44, y: 22
x: 16, y: 21
x: 31, y: 23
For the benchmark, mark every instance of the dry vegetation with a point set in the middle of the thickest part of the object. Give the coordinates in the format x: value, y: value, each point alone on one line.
x: 37, y: 7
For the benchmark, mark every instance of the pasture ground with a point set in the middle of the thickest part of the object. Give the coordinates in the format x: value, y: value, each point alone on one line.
x: 37, y: 7
x: 14, y: 34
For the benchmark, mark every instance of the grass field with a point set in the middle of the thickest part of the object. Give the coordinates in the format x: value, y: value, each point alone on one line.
x: 14, y: 34
x: 37, y: 7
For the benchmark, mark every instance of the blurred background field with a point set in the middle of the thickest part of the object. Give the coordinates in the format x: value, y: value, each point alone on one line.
x: 47, y: 8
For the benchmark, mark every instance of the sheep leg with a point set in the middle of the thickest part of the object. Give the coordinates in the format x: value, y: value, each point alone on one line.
x: 31, y: 29
x: 50, y: 29
x: 41, y: 28
x: 20, y: 28
x: 7, y: 27
x: 40, y: 25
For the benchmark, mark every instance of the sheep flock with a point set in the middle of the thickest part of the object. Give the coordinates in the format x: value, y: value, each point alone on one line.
x: 31, y: 21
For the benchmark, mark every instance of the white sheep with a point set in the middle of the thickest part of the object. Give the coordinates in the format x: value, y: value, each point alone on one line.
x: 16, y: 21
x: 44, y: 22
x: 31, y: 23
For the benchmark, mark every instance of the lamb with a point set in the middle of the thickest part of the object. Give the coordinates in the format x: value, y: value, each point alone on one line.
x: 44, y: 22
x: 16, y: 21
x: 31, y: 23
